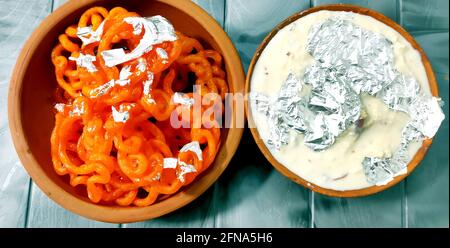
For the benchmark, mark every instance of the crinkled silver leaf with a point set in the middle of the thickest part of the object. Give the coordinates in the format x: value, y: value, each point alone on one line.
x: 102, y: 89
x: 183, y: 99
x: 170, y: 163
x: 124, y: 76
x: 426, y: 115
x: 119, y: 116
x: 193, y: 146
x: 85, y: 61
x: 162, y: 53
x: 274, y: 109
x: 60, y: 107
x: 78, y: 110
x: 142, y: 65
x: 400, y: 94
x: 260, y: 101
x: 162, y: 28
x: 157, y: 30
x: 184, y: 169
x: 357, y: 57
x: 377, y: 170
x: 87, y: 35
x: 122, y: 114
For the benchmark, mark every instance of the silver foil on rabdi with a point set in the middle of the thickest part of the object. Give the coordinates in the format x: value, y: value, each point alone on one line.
x: 283, y: 112
x: 348, y: 61
x: 346, y: 52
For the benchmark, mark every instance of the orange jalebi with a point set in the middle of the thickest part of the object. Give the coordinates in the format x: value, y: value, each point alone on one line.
x: 123, y: 162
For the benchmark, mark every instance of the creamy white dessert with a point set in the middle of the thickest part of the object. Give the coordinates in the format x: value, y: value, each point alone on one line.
x: 338, y: 166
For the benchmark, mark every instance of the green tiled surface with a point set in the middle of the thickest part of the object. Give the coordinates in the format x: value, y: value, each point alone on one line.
x: 250, y: 193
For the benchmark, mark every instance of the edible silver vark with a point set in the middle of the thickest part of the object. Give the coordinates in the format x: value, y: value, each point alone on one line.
x: 157, y: 29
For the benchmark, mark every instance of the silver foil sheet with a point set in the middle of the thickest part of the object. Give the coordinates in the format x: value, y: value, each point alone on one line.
x: 193, y: 146
x: 78, y: 110
x: 124, y: 76
x: 348, y: 61
x: 147, y: 87
x: 183, y: 99
x: 142, y: 65
x: 85, y: 61
x: 342, y: 50
x: 60, y: 107
x: 157, y: 30
x: 183, y: 167
x: 162, y: 54
x: 122, y: 114
x: 102, y: 89
x: 123, y: 80
x: 119, y: 116
x: 170, y: 163
x: 148, y: 83
x: 87, y: 35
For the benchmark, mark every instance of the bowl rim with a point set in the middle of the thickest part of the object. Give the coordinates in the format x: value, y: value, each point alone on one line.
x: 298, y: 179
x: 107, y: 213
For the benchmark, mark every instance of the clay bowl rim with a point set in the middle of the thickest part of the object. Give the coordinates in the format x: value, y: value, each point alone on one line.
x: 116, y: 214
x: 299, y: 180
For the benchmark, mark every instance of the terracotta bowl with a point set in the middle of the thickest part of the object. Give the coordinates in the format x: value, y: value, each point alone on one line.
x: 282, y: 169
x: 30, y: 105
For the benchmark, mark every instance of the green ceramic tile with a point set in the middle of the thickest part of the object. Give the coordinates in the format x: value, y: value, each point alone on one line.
x: 199, y: 213
x: 435, y: 46
x: 384, y: 209
x: 44, y: 212
x: 387, y: 7
x: 248, y: 22
x: 253, y: 194
x: 425, y: 15
x: 214, y: 7
x: 57, y: 3
x: 427, y: 188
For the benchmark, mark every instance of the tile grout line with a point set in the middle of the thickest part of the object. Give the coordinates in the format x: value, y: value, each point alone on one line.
x: 27, y: 211
x: 224, y: 14
x: 214, y: 201
x: 405, y: 207
x: 428, y: 31
x: 311, y: 207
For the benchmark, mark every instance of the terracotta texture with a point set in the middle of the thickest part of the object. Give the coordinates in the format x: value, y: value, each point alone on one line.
x: 283, y: 170
x: 31, y: 117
